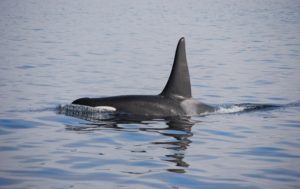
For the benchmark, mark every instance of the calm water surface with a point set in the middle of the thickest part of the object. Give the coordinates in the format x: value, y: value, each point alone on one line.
x: 238, y: 52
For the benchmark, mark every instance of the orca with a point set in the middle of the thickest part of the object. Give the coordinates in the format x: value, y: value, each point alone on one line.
x: 174, y: 101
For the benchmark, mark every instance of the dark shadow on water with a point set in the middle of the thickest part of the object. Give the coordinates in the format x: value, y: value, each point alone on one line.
x: 183, y: 128
x: 178, y: 129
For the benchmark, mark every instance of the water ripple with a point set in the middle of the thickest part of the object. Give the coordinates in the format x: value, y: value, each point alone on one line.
x: 268, y: 152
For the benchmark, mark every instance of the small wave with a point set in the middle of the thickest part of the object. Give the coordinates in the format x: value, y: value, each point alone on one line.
x: 230, y: 109
x: 246, y: 107
x: 294, y: 104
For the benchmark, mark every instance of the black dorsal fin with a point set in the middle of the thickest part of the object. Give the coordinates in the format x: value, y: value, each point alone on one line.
x: 179, y: 81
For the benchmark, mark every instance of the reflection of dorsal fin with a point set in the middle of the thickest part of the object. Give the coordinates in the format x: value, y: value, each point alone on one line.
x: 179, y: 81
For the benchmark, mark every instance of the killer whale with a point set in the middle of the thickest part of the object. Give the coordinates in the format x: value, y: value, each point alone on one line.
x: 175, y: 99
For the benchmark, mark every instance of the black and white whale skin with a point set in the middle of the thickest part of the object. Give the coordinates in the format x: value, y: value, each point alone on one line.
x: 175, y: 99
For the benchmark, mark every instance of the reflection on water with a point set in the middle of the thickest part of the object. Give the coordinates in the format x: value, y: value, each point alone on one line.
x: 180, y: 129
x: 177, y: 128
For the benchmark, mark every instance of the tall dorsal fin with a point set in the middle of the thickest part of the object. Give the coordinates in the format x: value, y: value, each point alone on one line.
x: 179, y: 81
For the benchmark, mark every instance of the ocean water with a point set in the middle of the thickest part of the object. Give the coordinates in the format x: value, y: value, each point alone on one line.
x: 240, y: 54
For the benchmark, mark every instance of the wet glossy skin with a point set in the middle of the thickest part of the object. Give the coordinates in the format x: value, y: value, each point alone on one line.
x: 154, y: 105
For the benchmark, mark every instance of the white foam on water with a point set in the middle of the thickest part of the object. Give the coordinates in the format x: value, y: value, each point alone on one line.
x: 230, y: 109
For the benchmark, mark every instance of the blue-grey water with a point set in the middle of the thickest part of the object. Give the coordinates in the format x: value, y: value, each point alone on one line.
x: 52, y: 52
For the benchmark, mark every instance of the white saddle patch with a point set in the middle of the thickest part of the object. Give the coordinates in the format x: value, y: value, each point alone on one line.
x: 106, y: 108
